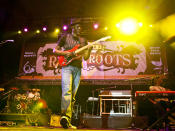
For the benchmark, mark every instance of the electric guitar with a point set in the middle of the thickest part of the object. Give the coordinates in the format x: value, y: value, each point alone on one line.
x: 64, y: 60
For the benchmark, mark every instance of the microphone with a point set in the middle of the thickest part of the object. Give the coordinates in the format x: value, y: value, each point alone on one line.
x: 6, y: 41
x: 9, y: 41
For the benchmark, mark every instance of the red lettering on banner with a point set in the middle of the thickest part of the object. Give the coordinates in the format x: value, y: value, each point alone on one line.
x: 52, y: 61
x: 108, y: 59
x: 98, y: 59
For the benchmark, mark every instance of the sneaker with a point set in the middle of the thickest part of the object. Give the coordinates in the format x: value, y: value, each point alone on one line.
x: 72, y: 127
x: 64, y: 121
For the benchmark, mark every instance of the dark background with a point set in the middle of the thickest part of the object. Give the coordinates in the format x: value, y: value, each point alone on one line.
x: 15, y: 14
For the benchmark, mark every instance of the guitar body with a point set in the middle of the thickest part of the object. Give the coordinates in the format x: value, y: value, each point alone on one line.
x: 64, y: 61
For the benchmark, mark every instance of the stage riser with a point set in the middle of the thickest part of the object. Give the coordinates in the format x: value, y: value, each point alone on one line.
x: 25, y: 119
x: 107, y: 122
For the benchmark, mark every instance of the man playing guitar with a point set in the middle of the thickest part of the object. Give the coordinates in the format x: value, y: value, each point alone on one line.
x: 71, y: 72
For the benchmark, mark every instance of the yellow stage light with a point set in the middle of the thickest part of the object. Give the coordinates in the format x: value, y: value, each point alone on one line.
x: 106, y: 28
x: 128, y: 26
x: 55, y: 33
x: 40, y: 105
x: 19, y: 31
x: 57, y: 30
x: 118, y: 25
x: 140, y: 24
x: 37, y: 31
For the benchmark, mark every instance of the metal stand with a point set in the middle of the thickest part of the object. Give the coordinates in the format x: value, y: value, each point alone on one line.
x: 121, y: 102
x: 93, y: 99
x: 6, y: 96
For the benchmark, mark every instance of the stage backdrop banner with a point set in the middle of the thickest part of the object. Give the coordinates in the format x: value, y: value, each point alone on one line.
x: 108, y: 60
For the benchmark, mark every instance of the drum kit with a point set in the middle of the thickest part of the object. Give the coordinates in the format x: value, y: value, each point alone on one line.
x: 25, y: 101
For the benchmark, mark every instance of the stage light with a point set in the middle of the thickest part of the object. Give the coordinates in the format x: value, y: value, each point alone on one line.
x: 44, y: 28
x: 106, y: 28
x: 140, y: 24
x: 41, y: 104
x: 65, y: 27
x: 128, y: 26
x: 19, y: 31
x: 26, y: 30
x: 57, y: 30
x: 96, y: 26
x: 55, y: 33
x: 117, y: 25
x: 37, y: 31
x: 150, y: 25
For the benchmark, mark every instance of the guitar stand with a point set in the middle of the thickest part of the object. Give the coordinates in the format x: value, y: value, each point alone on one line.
x: 163, y: 117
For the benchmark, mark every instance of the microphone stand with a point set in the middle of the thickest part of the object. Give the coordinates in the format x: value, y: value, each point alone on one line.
x: 6, y: 41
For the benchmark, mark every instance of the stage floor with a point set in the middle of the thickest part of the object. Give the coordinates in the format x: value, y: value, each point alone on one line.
x: 36, y: 128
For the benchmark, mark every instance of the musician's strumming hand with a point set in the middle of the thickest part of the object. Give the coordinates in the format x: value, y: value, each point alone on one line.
x: 90, y: 48
x: 69, y: 54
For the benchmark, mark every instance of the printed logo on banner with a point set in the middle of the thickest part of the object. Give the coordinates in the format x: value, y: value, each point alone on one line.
x: 156, y: 60
x: 29, y: 62
x: 47, y: 60
x: 117, y: 58
x: 107, y: 58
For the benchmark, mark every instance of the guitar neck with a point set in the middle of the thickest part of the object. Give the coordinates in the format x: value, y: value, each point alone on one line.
x: 92, y: 43
x: 81, y: 49
x: 87, y: 46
